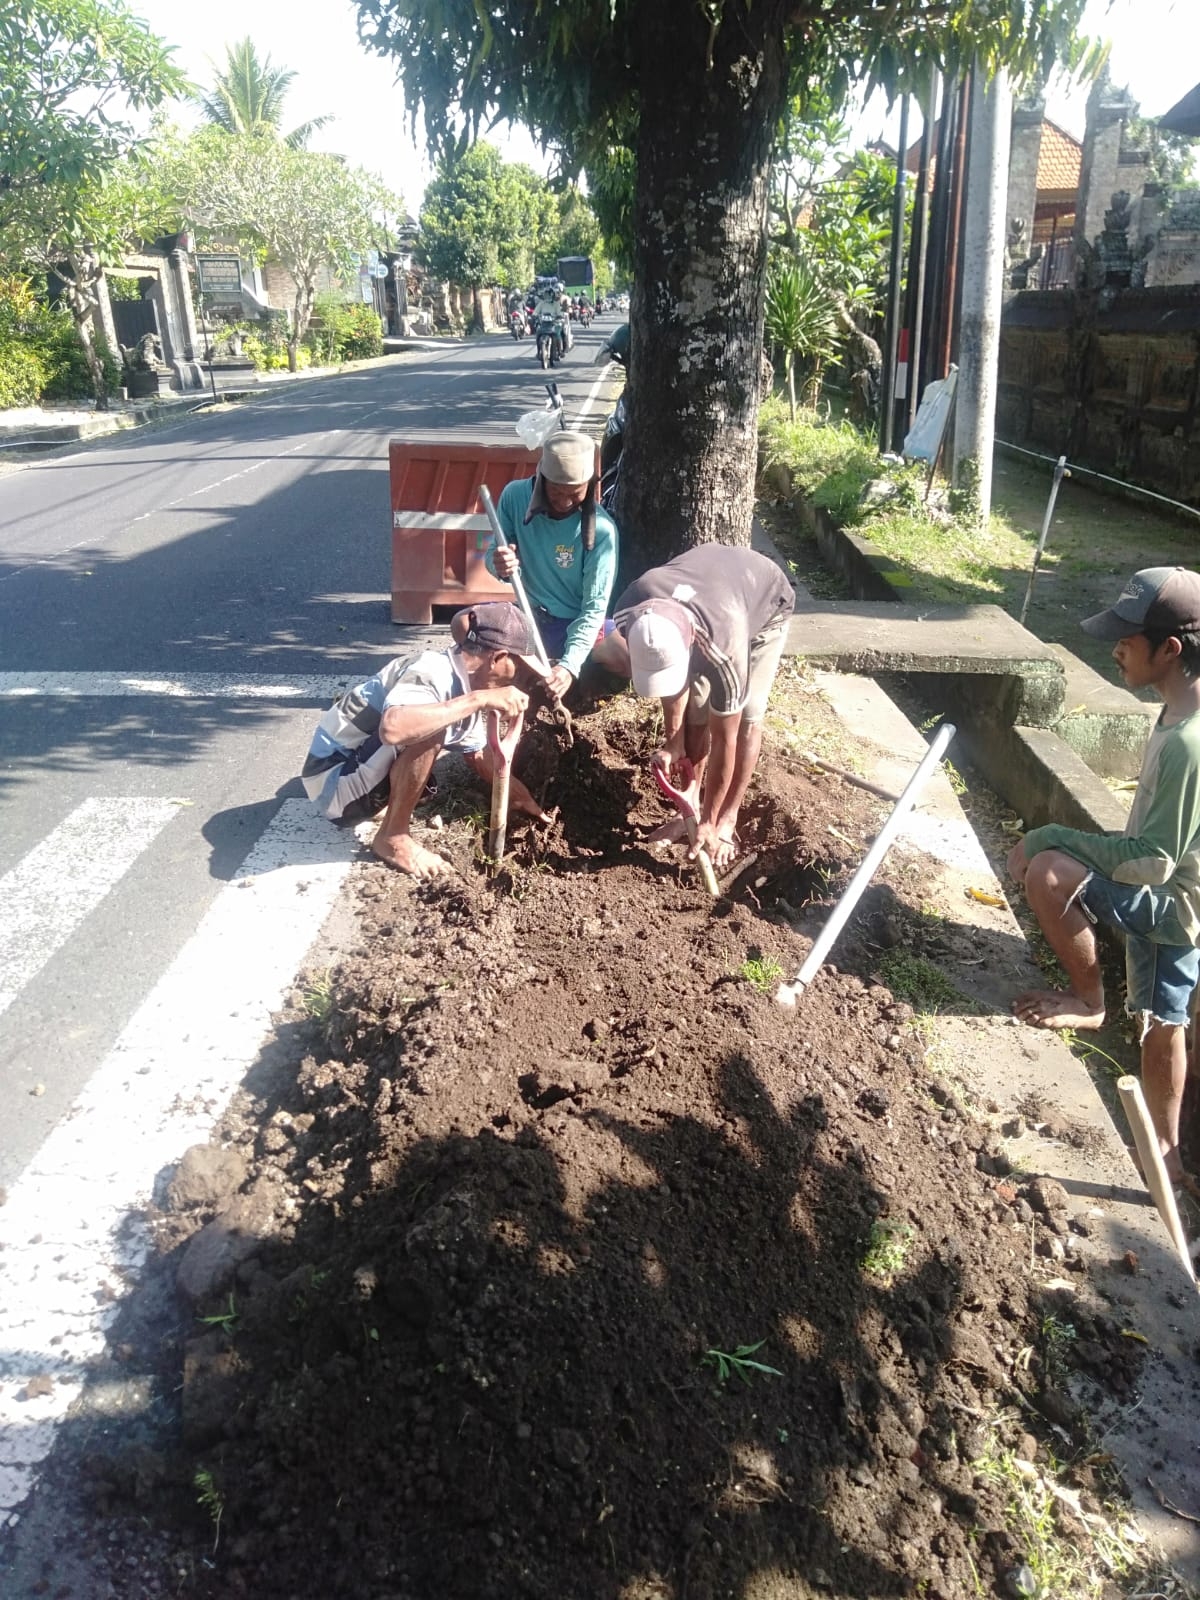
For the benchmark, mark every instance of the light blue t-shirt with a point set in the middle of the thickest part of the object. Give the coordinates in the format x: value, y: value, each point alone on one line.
x: 558, y: 575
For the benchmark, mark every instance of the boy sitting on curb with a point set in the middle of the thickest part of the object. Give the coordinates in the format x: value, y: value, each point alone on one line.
x: 1145, y: 881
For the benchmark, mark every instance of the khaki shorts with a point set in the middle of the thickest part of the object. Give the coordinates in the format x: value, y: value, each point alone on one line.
x: 766, y: 652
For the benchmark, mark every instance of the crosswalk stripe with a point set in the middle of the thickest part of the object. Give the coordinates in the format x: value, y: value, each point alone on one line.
x: 67, y: 1245
x: 52, y: 889
x: 320, y: 687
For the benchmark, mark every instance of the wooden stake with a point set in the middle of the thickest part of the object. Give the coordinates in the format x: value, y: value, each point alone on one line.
x: 1153, y: 1170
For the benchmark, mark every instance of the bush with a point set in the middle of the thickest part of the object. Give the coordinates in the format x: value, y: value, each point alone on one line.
x: 22, y: 376
x: 41, y: 357
x: 343, y: 332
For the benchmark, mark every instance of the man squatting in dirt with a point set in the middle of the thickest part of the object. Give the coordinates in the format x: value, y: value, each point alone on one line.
x: 566, y: 547
x: 375, y: 747
x: 1145, y: 881
x: 705, y: 634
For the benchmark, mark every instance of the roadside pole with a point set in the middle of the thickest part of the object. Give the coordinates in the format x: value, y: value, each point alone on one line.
x: 982, y: 285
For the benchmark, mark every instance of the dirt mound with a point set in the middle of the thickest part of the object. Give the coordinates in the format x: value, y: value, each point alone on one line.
x: 599, y: 1274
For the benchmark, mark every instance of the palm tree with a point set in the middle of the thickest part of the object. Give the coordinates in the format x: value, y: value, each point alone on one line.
x: 247, y: 97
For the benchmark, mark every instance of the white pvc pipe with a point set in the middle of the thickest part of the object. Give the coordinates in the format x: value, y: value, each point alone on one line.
x: 787, y: 993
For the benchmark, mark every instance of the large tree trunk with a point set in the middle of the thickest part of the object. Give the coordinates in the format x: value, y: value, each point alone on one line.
x: 302, y: 308
x: 710, y: 105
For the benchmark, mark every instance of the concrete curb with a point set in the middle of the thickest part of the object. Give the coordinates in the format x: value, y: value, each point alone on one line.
x: 103, y: 424
x: 1036, y: 763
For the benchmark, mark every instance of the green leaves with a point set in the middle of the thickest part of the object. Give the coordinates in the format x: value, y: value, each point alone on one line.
x: 247, y: 97
x: 728, y: 1362
x: 70, y: 70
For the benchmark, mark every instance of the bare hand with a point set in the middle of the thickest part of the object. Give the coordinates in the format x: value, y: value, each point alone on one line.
x: 559, y: 681
x: 509, y: 701
x: 1018, y: 862
x: 505, y: 558
x: 675, y: 765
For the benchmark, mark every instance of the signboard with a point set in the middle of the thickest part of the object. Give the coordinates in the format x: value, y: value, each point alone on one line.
x: 380, y: 269
x: 220, y: 275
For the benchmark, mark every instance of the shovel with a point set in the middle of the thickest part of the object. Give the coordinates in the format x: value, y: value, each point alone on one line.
x: 561, y: 715
x: 502, y: 745
x: 684, y: 801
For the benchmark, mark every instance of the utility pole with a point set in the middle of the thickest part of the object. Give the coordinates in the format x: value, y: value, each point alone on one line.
x: 887, y: 399
x: 982, y: 285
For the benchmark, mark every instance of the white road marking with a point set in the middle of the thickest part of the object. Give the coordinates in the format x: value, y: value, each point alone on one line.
x: 319, y: 686
x: 70, y: 1242
x: 242, y: 472
x: 50, y: 891
x: 592, y: 393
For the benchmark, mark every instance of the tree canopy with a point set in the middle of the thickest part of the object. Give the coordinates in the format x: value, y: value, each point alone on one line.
x: 695, y: 93
x: 71, y: 72
x: 306, y: 210
x: 248, y: 94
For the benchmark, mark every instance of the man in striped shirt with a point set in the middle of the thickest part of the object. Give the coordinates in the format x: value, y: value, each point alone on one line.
x: 375, y: 747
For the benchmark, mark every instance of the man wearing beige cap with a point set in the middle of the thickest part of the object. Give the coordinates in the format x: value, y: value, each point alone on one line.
x: 704, y: 634
x: 566, y: 547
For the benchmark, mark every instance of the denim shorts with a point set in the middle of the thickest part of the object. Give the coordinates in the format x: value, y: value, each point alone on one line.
x: 1161, y: 964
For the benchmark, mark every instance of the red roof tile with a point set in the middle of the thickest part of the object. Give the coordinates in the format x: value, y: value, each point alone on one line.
x: 1060, y: 160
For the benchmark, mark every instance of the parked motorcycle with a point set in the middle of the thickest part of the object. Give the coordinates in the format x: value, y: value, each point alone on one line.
x: 616, y: 349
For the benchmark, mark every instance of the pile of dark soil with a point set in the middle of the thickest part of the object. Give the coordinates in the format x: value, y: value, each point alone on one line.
x: 552, y: 1157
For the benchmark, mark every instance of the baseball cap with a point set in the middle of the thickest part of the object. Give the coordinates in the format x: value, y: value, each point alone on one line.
x: 660, y: 648
x: 1155, y: 600
x: 499, y: 625
x: 569, y: 458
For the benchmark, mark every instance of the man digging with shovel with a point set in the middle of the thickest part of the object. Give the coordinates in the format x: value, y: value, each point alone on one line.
x: 705, y: 634
x: 376, y: 746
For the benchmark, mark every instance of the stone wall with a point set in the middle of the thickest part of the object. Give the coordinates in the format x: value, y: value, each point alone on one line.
x: 1110, y: 379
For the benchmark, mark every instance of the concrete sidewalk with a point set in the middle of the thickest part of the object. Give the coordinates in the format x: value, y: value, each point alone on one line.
x: 1001, y: 1064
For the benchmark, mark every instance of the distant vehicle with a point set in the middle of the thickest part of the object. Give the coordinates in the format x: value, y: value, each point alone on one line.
x: 577, y: 273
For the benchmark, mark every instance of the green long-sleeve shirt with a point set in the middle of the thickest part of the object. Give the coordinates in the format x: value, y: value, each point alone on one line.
x: 1161, y: 842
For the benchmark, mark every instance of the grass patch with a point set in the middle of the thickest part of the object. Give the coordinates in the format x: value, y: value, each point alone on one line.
x: 888, y: 1246
x: 917, y: 980
x: 764, y: 972
x: 1067, y: 1555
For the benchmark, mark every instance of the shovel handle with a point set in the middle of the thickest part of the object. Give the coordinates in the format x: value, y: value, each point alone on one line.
x: 502, y: 745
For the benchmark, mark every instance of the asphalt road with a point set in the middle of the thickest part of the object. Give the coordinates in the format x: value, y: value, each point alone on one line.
x: 252, y: 541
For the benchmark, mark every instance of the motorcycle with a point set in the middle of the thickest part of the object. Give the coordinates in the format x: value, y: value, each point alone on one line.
x: 516, y: 324
x: 551, y: 343
x: 616, y: 349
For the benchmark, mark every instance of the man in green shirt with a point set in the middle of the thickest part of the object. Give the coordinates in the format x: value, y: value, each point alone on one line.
x: 1145, y: 881
x: 566, y: 548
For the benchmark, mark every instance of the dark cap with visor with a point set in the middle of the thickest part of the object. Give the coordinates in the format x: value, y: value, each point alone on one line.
x: 1162, y: 600
x: 499, y: 625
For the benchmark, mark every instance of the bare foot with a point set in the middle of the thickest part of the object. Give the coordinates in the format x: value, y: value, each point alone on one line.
x: 1056, y: 1008
x: 403, y: 852
x: 669, y: 832
x: 726, y: 852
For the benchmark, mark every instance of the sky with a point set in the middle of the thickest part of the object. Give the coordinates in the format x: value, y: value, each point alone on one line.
x: 1156, y: 52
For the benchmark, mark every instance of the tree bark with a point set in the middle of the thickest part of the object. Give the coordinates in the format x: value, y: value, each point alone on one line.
x: 80, y: 294
x: 710, y: 104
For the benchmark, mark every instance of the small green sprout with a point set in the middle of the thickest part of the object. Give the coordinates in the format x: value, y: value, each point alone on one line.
x: 887, y: 1248
x: 211, y: 1498
x: 225, y: 1320
x: 728, y: 1362
x: 317, y: 999
x: 764, y: 972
